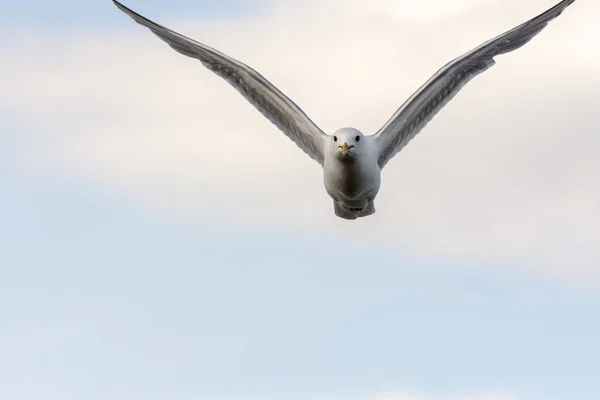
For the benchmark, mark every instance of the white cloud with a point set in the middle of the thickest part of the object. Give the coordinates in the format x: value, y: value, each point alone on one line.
x: 506, y: 173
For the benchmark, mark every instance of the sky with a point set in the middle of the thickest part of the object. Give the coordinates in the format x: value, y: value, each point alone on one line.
x: 162, y: 240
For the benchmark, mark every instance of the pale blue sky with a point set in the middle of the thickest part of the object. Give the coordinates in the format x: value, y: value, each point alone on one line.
x: 99, y: 302
x: 70, y: 14
x: 99, y: 299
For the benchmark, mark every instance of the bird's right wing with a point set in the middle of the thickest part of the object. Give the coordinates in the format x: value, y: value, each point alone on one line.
x: 263, y: 95
x: 424, y: 104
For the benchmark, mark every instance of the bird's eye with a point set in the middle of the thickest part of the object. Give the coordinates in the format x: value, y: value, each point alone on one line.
x: 335, y: 138
x: 357, y: 138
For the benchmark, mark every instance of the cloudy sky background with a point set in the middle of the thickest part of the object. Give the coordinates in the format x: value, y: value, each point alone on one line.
x: 161, y: 239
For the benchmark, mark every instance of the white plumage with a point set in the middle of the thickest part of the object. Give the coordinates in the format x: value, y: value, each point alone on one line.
x: 351, y: 161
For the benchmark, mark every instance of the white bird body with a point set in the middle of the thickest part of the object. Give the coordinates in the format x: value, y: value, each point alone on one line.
x: 351, y: 161
x: 352, y: 179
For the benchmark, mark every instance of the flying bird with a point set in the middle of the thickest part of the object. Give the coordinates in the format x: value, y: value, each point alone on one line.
x: 351, y: 161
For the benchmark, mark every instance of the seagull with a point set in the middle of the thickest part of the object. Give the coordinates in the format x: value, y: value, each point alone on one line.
x: 351, y: 161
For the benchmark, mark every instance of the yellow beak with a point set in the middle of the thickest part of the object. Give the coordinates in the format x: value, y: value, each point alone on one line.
x: 345, y: 148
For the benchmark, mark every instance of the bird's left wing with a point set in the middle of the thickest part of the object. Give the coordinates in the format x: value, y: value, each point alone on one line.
x: 262, y: 94
x: 426, y: 102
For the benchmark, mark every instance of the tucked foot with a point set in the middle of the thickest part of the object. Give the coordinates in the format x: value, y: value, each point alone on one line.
x: 367, y: 210
x: 353, y: 212
x: 342, y: 211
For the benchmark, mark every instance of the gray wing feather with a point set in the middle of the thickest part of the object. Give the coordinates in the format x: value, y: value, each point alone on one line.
x: 263, y: 95
x: 430, y: 98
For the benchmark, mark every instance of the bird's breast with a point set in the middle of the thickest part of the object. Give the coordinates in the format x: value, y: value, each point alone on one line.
x: 352, y: 182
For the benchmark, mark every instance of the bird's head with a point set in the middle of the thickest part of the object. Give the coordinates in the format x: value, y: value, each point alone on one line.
x: 346, y: 143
